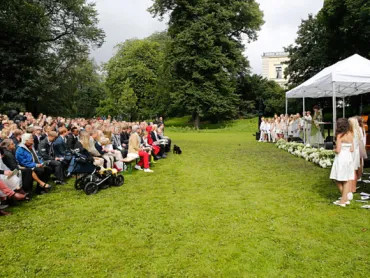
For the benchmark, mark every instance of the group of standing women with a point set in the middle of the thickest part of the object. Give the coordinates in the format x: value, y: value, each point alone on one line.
x: 349, y: 160
x: 283, y: 127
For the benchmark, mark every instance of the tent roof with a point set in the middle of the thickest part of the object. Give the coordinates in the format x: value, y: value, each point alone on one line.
x: 351, y: 77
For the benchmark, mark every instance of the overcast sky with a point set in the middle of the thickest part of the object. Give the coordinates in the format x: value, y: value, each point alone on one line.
x: 125, y: 19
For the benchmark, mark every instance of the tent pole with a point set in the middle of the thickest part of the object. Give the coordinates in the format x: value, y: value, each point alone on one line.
x: 344, y: 107
x: 286, y: 106
x: 334, y: 111
x: 303, y: 115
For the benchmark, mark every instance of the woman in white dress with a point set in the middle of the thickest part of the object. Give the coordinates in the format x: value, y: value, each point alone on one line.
x: 363, y: 152
x: 278, y: 129
x: 343, y: 170
x: 357, y: 141
x: 290, y: 126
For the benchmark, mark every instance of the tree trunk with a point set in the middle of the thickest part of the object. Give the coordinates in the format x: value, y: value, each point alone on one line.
x: 196, y: 119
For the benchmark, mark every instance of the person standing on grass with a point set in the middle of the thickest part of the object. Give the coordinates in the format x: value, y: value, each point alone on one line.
x: 262, y: 130
x: 343, y: 170
x: 357, y: 141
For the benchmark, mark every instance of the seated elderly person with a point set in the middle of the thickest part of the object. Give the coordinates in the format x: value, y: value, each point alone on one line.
x: 165, y: 138
x: 27, y: 157
x: 157, y: 141
x: 46, y: 152
x: 135, y: 150
x: 117, y: 143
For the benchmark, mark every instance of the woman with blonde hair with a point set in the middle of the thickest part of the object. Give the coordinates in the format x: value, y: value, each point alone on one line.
x: 357, y: 140
x: 87, y: 144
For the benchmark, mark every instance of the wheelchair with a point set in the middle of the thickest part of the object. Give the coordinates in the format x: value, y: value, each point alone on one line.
x: 91, y: 178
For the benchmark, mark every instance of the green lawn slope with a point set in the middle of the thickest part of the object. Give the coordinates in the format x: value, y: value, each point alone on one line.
x: 227, y: 207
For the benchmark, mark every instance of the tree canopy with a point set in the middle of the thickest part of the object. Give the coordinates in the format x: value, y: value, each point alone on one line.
x: 338, y: 31
x: 40, y: 40
x: 205, y: 52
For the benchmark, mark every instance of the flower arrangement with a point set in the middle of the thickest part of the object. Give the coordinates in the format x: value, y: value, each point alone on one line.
x: 323, y: 158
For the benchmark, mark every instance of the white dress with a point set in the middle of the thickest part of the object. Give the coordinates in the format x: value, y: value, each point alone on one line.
x: 356, y: 152
x: 343, y: 167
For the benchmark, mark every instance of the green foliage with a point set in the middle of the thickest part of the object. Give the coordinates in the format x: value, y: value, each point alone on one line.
x: 254, y: 90
x: 76, y: 93
x: 122, y: 105
x: 39, y: 42
x: 227, y: 207
x: 141, y: 62
x: 205, y: 52
x: 338, y: 31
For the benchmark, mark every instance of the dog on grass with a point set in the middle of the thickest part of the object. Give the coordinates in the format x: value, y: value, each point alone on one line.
x: 177, y: 150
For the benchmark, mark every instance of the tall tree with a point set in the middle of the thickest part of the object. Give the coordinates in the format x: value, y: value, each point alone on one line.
x: 80, y: 89
x: 338, y: 31
x: 39, y: 40
x: 205, y: 53
x: 139, y: 61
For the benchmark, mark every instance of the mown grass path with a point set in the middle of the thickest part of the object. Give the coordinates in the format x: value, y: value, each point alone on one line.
x: 227, y: 207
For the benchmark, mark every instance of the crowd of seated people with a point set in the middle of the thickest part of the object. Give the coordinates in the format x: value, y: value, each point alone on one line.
x: 34, y: 150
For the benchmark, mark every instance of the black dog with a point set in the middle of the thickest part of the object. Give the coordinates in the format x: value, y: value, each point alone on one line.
x: 177, y: 150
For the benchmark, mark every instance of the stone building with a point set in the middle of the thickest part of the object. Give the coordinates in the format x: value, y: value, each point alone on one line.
x: 273, y: 66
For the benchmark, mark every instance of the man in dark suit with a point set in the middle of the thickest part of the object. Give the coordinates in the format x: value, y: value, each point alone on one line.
x: 60, y: 144
x: 72, y: 138
x: 46, y: 151
x: 17, y: 137
x: 60, y: 148
x: 37, y: 137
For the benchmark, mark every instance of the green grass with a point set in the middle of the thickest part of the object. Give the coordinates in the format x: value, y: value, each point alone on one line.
x: 227, y: 207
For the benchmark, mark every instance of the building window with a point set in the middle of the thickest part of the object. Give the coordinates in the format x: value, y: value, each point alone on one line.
x: 279, y: 72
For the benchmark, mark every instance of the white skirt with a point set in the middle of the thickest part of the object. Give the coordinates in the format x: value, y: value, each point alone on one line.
x: 343, y: 168
x: 356, y: 158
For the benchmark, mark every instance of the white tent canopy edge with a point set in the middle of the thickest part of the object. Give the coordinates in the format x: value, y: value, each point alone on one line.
x: 346, y: 78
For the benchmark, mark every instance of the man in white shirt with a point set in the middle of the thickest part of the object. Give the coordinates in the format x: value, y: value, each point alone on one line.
x: 262, y: 130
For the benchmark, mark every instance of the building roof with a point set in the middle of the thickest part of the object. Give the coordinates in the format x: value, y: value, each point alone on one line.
x: 275, y: 54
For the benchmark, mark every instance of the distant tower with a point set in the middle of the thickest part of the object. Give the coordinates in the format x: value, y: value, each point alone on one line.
x: 273, y: 67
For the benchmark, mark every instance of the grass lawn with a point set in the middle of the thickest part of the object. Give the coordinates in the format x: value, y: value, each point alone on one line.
x: 227, y: 207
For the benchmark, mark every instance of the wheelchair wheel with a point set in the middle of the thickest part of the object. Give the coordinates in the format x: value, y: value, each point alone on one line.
x: 79, y: 183
x: 91, y: 188
x: 104, y: 185
x: 119, y: 180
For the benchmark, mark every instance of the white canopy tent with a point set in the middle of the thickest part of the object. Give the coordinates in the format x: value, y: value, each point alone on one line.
x: 346, y: 78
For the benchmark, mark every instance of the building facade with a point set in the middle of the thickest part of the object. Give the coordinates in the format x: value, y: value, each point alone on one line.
x: 273, y: 67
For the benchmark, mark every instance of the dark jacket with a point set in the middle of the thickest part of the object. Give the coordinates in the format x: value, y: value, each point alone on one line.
x: 125, y: 137
x: 16, y: 142
x: 152, y: 135
x: 71, y: 142
x: 99, y: 148
x: 36, y: 141
x: 46, y: 150
x: 25, y: 158
x: 60, y: 147
x: 116, y: 141
x: 9, y: 160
